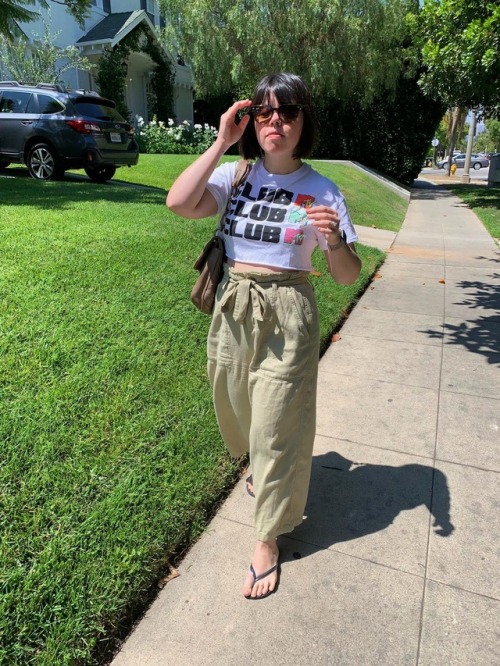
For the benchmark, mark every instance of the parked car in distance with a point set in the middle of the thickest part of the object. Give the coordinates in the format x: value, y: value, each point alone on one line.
x: 428, y: 162
x: 51, y: 129
x: 476, y: 161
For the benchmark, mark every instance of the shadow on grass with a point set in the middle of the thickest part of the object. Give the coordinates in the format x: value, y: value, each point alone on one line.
x: 475, y: 195
x: 478, y: 196
x: 73, y: 188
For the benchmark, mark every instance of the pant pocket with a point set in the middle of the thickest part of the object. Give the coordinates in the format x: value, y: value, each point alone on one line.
x: 302, y: 311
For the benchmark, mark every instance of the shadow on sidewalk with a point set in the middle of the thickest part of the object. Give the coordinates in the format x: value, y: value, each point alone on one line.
x: 424, y: 190
x: 348, y: 500
x: 480, y: 335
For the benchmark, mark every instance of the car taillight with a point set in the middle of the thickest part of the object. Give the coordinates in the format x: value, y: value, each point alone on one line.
x: 83, y: 126
x: 130, y: 130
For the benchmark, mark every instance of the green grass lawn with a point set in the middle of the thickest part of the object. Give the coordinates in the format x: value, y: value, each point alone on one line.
x: 111, y: 461
x: 369, y: 203
x: 485, y: 202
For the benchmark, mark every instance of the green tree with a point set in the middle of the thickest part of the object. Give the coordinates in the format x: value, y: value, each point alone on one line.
x: 459, y: 42
x: 489, y: 140
x: 42, y: 61
x: 340, y: 47
x: 14, y: 12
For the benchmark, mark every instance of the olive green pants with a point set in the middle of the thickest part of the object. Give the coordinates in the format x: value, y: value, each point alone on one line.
x: 263, y: 352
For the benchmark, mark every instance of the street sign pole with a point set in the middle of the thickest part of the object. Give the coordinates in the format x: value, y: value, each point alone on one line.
x: 435, y: 144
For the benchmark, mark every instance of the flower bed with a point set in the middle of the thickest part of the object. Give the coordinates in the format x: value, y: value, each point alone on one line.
x: 158, y: 136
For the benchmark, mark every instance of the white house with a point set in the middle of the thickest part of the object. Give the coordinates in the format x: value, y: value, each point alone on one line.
x: 110, y: 21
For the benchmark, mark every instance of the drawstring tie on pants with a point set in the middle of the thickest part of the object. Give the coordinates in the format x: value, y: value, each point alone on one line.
x: 244, y: 290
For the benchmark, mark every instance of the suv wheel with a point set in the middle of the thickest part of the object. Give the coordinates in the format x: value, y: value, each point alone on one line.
x: 43, y: 163
x: 477, y: 165
x: 100, y: 174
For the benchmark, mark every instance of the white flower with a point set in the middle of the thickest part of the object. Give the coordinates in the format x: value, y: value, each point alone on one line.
x: 197, y: 126
x: 170, y: 122
x: 186, y: 122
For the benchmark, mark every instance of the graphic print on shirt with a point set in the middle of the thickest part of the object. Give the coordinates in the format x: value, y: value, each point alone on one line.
x: 257, y: 217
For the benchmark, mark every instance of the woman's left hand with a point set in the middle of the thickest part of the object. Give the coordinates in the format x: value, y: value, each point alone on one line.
x: 326, y: 220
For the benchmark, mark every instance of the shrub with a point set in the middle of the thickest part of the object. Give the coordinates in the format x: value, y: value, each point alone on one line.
x: 392, y: 135
x: 169, y: 138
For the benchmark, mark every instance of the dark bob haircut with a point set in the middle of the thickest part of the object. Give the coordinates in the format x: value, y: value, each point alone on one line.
x: 288, y: 89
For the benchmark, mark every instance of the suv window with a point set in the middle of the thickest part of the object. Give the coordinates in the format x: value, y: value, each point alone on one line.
x: 14, y: 101
x: 97, y: 111
x: 47, y: 104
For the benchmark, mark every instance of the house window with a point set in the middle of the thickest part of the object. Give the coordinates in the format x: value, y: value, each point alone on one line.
x: 149, y: 7
x: 105, y: 5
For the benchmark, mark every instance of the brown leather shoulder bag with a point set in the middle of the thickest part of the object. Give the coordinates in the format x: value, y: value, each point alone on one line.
x: 210, y: 263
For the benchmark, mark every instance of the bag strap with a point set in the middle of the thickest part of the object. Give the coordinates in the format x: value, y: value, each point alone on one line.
x: 243, y: 168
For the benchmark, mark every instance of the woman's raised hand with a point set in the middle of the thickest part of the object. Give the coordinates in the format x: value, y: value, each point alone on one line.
x: 229, y: 131
x: 326, y: 220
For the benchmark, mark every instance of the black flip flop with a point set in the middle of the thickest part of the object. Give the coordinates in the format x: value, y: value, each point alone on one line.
x: 249, y: 482
x: 260, y: 577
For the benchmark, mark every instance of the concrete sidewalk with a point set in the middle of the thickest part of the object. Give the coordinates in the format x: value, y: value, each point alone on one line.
x: 397, y: 559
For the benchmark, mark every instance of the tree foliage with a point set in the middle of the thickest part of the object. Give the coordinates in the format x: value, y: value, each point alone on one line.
x: 14, y: 12
x: 42, y: 62
x: 489, y: 140
x: 110, y: 75
x: 392, y: 135
x: 459, y: 41
x: 341, y: 47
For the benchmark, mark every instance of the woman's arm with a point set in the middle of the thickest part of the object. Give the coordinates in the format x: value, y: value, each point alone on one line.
x: 188, y: 196
x: 343, y: 262
x: 342, y: 259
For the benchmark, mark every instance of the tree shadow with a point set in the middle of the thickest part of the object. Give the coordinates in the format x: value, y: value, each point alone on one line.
x: 482, y: 334
x: 424, y: 190
x: 484, y: 196
x: 73, y: 188
x: 349, y: 500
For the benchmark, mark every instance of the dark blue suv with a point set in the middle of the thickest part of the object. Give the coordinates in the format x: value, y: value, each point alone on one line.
x: 51, y: 129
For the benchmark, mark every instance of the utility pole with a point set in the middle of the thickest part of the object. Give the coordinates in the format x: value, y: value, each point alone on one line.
x: 472, y: 132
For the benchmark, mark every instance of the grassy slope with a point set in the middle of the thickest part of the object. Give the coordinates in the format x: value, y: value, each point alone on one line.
x: 110, y: 459
x: 370, y: 203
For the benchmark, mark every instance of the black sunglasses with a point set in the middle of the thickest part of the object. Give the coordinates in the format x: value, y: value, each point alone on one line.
x: 287, y: 113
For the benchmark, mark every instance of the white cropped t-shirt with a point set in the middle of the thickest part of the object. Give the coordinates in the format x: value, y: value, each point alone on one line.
x: 266, y: 221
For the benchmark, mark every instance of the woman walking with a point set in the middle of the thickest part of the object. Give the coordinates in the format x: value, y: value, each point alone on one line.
x: 263, y: 344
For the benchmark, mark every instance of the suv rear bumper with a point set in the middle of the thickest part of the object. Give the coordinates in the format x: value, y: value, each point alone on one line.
x: 117, y: 158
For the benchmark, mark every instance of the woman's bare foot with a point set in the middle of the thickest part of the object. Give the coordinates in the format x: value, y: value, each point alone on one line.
x: 264, y: 558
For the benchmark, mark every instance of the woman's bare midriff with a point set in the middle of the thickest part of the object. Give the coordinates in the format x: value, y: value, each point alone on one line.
x: 248, y: 268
